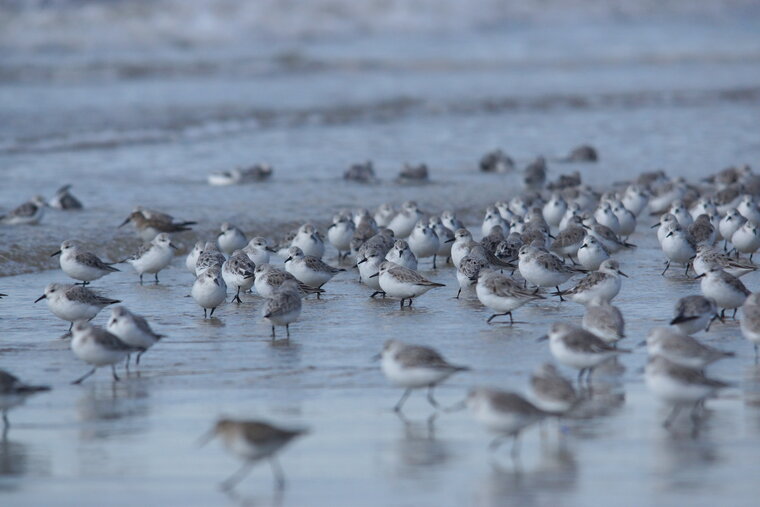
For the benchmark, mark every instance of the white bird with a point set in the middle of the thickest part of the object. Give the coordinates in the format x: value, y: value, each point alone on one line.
x: 746, y: 239
x: 602, y: 285
x: 153, y: 257
x: 284, y: 307
x: 192, y: 258
x: 308, y: 269
x: 230, y: 238
x: 592, y: 253
x: 209, y: 290
x: 340, y: 233
x: 694, y: 314
x: 74, y: 302
x: 415, y: 367
x: 309, y: 241
x: 238, y: 273
x: 258, y: 251
x: 423, y: 241
x: 80, y: 264
x: 402, y: 255
x: 403, y: 283
x: 97, y: 347
x: 727, y: 291
x: 29, y: 213
x: 679, y: 246
x: 133, y: 330
x: 502, y: 294
x: 404, y: 221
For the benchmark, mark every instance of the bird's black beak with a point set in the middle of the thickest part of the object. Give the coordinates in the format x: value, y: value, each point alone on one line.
x: 288, y: 259
x: 376, y: 274
x: 700, y: 276
x: 125, y: 222
x: 40, y: 298
x: 543, y: 338
x: 623, y: 274
x: 450, y: 240
x: 583, y: 246
x: 172, y: 245
x: 669, y: 234
x: 331, y: 226
x: 361, y: 261
x: 655, y: 225
x: 270, y: 249
x: 58, y: 252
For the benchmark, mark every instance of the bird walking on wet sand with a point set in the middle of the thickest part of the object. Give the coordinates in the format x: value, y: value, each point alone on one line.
x: 209, y: 290
x: 415, y: 367
x: 403, y: 283
x: 153, y: 257
x: 133, y: 330
x: 284, y: 307
x: 98, y: 347
x: 74, y: 302
x: 13, y: 392
x: 252, y: 441
x: 308, y: 269
x: 505, y: 413
x: 238, y: 273
x: 502, y: 294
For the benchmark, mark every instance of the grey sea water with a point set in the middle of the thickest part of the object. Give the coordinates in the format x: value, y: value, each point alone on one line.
x: 141, y: 112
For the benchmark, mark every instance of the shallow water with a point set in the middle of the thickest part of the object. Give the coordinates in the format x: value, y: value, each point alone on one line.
x: 145, y: 121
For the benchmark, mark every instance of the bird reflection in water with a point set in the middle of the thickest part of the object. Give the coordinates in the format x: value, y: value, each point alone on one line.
x: 117, y: 409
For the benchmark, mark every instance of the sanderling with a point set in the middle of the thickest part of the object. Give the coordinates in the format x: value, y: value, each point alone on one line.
x: 13, y: 392
x: 403, y: 283
x: 603, y: 284
x: 708, y: 256
x: 98, y: 347
x: 230, y: 238
x: 309, y: 270
x: 492, y: 219
x: 370, y: 265
x: 450, y: 220
x: 607, y: 237
x: 284, y: 307
x: 148, y: 227
x: 415, y: 367
x: 309, y: 240
x: 384, y: 214
x: 239, y: 176
x: 423, y: 241
x: 210, y: 257
x: 682, y: 349
x: 726, y: 290
x: 444, y: 235
x: 626, y: 218
x: 573, y: 346
x: 192, y: 258
x: 664, y: 226
x: 750, y: 321
x: 268, y: 278
x: 153, y: 257
x: 604, y: 320
x: 679, y: 246
x: 504, y: 413
x: 461, y: 245
x: 679, y: 385
x: 363, y: 232
x: 133, y: 330
x: 502, y: 294
x: 534, y: 174
x: 238, y: 273
x: 569, y: 240
x: 340, y: 233
x: 29, y: 213
x: 552, y: 392
x: 542, y: 268
x: 74, y: 302
x: 81, y: 265
x: 678, y: 210
x: 746, y: 239
x: 604, y: 216
x: 508, y: 251
x: 402, y: 255
x: 554, y: 209
x: 749, y: 209
x: 694, y: 314
x: 729, y: 224
x: 635, y: 198
x: 702, y: 230
x: 496, y: 162
x: 258, y: 250
x: 469, y: 267
x: 209, y: 290
x: 403, y: 223
x: 64, y: 200
x: 253, y: 441
x: 592, y: 253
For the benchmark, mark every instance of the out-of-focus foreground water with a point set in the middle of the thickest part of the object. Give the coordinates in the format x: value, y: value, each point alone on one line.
x: 136, y: 103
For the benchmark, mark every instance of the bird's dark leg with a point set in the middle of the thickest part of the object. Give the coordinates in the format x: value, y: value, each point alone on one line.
x: 156, y: 277
x: 723, y: 314
x: 141, y: 278
x: 80, y: 379
x: 458, y: 293
x: 686, y: 273
x: 430, y: 396
x: 287, y: 330
x: 204, y: 313
x: 402, y: 304
x: 412, y: 299
x: 734, y: 314
x: 673, y: 414
x: 230, y: 482
x: 434, y: 256
x: 212, y: 312
x: 237, y: 299
x: 756, y: 353
x: 273, y: 334
x: 126, y: 363
x: 279, y: 476
x: 139, y: 355
x: 511, y: 320
x: 113, y: 371
x: 400, y: 403
x: 666, y: 269
x: 559, y: 293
